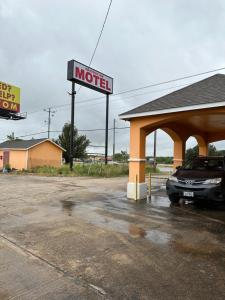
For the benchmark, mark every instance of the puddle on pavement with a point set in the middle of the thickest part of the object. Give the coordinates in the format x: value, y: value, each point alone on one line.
x: 67, y: 207
x: 92, y: 213
x: 160, y: 201
x: 155, y: 236
x: 116, y: 214
x: 158, y: 237
x: 156, y: 201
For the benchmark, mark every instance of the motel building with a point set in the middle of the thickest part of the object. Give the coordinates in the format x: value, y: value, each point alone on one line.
x: 28, y: 154
x: 197, y: 110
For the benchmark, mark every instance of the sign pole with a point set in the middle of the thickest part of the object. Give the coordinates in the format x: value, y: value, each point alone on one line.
x: 95, y: 80
x: 106, y: 128
x: 114, y: 138
x: 72, y: 125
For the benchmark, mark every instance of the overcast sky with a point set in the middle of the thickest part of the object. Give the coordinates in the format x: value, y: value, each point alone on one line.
x: 143, y: 42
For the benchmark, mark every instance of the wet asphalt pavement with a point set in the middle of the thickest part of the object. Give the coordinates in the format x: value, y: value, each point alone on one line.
x: 80, y: 238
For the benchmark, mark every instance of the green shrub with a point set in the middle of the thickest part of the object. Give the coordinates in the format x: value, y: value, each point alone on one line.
x: 7, y: 167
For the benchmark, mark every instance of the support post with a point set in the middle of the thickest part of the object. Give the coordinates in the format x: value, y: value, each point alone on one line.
x: 114, y: 137
x: 203, y: 149
x: 137, y: 164
x: 106, y: 128
x: 73, y: 93
x: 179, y: 153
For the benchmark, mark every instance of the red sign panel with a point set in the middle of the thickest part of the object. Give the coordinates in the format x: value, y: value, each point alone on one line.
x: 89, y: 77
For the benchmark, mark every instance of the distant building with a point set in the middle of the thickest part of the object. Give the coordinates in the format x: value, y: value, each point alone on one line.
x: 98, y: 157
x: 27, y: 154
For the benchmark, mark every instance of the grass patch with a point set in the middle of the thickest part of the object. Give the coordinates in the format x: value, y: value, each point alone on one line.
x: 150, y: 169
x: 95, y: 170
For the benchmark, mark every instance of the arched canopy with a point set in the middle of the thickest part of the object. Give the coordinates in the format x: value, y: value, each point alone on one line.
x: 197, y: 110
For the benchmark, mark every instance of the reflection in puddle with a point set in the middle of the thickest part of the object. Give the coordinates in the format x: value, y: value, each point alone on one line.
x: 158, y: 237
x: 155, y: 236
x: 67, y: 206
x: 160, y: 201
x: 94, y: 214
x: 136, y: 231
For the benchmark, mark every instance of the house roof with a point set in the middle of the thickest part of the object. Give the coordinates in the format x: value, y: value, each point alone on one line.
x: 209, y: 92
x: 25, y: 144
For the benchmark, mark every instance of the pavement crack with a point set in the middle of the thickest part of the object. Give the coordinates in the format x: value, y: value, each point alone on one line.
x: 78, y: 280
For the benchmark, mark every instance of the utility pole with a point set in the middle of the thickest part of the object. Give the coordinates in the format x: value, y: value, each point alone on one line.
x: 51, y: 114
x: 154, y: 153
x: 73, y: 93
x: 114, y: 137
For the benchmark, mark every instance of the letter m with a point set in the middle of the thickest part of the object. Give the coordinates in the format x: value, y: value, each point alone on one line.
x: 14, y: 106
x: 79, y: 73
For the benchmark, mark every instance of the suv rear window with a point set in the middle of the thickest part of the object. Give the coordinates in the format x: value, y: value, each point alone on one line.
x: 205, y: 164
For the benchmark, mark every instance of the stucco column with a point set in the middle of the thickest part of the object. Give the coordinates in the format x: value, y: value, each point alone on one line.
x: 203, y: 149
x: 178, y: 153
x: 137, y: 188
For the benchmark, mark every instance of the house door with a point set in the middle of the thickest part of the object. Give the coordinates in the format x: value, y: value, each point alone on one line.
x: 5, y: 158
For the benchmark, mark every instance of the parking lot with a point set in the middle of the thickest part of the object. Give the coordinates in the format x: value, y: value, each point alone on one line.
x: 80, y: 238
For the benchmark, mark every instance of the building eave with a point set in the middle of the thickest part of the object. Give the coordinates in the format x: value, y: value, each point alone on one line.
x: 8, y: 148
x: 171, y: 110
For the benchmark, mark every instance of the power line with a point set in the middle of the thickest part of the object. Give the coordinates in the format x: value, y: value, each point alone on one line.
x: 169, y: 81
x: 135, y: 95
x: 92, y: 57
x: 96, y: 146
x: 156, y: 84
x: 79, y: 130
x: 97, y: 129
x: 66, y: 106
x: 102, y: 98
x: 99, y: 37
x: 140, y: 88
x: 26, y: 135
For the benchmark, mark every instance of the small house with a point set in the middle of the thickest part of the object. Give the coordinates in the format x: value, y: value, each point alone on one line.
x: 27, y: 154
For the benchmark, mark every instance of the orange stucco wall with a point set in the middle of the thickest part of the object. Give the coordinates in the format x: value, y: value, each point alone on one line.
x: 45, y: 154
x: 17, y: 159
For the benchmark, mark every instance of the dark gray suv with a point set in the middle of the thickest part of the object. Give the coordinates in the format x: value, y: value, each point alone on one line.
x: 202, y: 179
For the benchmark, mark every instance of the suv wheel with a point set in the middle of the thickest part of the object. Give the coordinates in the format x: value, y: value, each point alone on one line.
x: 174, y: 198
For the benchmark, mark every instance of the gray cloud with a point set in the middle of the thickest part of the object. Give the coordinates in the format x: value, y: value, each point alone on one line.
x: 143, y: 42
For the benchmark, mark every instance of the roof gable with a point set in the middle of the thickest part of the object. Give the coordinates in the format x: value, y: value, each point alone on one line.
x: 26, y: 144
x: 205, y: 92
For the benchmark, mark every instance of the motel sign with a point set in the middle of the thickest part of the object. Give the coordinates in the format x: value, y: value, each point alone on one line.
x: 89, y: 77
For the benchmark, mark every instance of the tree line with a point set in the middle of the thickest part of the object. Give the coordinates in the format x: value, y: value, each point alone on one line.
x: 81, y: 142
